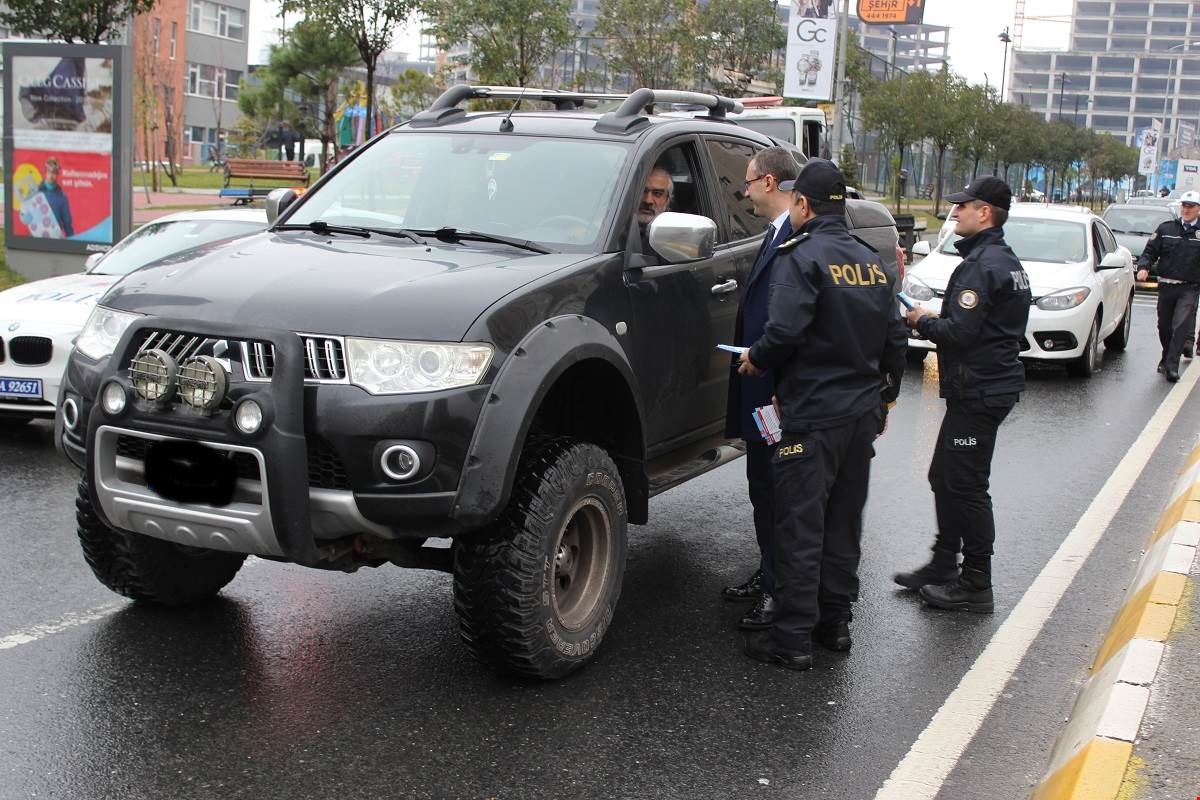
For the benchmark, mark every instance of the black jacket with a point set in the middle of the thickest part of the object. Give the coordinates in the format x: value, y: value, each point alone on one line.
x: 834, y: 338
x: 984, y: 313
x: 1176, y: 250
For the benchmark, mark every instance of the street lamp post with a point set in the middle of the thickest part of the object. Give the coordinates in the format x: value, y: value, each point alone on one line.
x: 1063, y: 81
x: 1162, y: 139
x: 1004, y: 37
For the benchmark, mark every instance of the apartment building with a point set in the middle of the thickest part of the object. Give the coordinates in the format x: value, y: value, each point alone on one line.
x: 216, y: 57
x: 1129, y: 62
x: 905, y: 47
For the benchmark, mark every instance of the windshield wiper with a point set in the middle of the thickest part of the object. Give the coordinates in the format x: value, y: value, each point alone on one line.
x: 455, y: 235
x: 321, y: 228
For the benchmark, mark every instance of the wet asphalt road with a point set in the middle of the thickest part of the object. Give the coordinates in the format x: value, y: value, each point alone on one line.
x: 303, y: 684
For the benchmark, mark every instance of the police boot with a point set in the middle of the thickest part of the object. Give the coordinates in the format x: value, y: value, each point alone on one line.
x: 943, y: 567
x: 833, y: 635
x: 970, y: 591
x: 761, y: 616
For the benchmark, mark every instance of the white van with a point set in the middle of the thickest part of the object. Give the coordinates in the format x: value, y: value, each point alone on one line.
x: 803, y: 127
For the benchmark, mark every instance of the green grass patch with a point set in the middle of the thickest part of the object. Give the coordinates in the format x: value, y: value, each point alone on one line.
x: 8, y: 278
x: 197, y: 178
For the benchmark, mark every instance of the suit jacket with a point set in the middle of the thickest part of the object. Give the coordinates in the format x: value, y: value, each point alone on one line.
x: 745, y: 393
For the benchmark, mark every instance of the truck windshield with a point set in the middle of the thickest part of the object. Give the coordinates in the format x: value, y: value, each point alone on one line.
x: 549, y: 190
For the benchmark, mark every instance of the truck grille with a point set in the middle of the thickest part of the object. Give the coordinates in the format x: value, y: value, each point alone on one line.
x: 324, y: 359
x: 30, y: 351
x: 180, y: 346
x: 325, y: 467
x: 135, y: 448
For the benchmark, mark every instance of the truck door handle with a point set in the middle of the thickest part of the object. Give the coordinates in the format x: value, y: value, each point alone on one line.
x: 726, y: 287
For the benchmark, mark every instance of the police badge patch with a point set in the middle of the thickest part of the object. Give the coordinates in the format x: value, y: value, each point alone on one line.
x: 968, y: 299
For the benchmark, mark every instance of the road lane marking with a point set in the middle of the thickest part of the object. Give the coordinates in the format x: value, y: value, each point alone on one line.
x: 921, y: 773
x: 63, y: 623
x: 73, y: 620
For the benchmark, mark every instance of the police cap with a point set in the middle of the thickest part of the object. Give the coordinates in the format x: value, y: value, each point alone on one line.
x: 819, y: 181
x: 989, y: 189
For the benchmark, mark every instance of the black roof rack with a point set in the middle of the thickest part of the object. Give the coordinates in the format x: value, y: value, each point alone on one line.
x: 446, y: 106
x: 625, y: 119
x: 629, y: 115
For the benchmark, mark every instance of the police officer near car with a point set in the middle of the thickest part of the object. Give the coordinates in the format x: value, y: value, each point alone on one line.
x: 1176, y: 250
x: 764, y: 173
x: 834, y: 343
x: 978, y: 335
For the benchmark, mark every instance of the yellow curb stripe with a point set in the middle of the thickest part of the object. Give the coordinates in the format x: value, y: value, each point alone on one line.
x: 1094, y: 773
x: 1174, y: 513
x: 1155, y: 622
x: 1124, y: 627
x: 1168, y: 588
x: 1191, y: 511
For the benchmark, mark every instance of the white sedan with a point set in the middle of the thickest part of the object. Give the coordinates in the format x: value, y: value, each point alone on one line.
x: 40, y: 320
x: 1082, y: 283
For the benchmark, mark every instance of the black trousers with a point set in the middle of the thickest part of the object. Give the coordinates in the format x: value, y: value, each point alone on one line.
x: 821, y: 482
x: 959, y: 476
x: 761, y: 480
x: 1176, y: 320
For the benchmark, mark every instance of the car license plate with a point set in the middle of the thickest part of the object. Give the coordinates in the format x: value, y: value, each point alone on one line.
x: 18, y: 387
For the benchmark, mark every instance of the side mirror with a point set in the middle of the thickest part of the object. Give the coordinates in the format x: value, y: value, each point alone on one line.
x: 92, y: 261
x: 683, y: 237
x: 1113, y: 260
x: 920, y: 249
x: 278, y: 201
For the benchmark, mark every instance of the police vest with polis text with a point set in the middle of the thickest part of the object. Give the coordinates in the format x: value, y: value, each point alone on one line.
x: 985, y: 311
x: 834, y: 289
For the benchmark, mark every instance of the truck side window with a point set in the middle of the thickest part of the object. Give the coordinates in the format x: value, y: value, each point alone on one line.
x: 671, y: 184
x: 730, y: 159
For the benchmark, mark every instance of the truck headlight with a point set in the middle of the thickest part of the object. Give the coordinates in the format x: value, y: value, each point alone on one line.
x: 1061, y: 301
x: 387, y: 367
x: 102, y: 331
x: 917, y: 289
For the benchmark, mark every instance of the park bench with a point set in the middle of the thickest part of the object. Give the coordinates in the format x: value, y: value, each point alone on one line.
x: 252, y: 169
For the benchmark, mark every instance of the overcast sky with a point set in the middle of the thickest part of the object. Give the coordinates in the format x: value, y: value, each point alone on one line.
x: 975, y: 49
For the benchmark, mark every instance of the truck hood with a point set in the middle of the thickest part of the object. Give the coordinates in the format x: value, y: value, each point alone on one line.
x: 383, y: 288
x: 65, y: 300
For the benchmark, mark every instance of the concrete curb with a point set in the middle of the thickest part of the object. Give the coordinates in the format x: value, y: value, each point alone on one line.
x: 1089, y: 759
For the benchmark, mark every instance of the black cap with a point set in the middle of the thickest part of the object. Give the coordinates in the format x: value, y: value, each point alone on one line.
x: 989, y: 189
x: 819, y: 180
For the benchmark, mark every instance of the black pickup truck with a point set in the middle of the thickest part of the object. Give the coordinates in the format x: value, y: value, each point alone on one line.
x: 462, y: 332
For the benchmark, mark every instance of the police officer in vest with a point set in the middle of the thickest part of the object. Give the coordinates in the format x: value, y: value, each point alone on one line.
x: 834, y: 343
x: 1176, y: 249
x: 978, y: 336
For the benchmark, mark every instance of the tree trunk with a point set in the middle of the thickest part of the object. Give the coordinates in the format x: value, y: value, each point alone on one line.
x: 369, y: 128
x: 937, y: 185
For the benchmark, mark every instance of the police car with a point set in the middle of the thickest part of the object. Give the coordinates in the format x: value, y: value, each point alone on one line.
x: 1082, y: 282
x: 40, y: 320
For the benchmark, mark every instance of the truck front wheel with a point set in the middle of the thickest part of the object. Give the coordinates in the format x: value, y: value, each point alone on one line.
x: 535, y: 593
x: 148, y: 569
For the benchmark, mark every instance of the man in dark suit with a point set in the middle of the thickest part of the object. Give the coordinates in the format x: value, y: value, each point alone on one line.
x: 763, y: 176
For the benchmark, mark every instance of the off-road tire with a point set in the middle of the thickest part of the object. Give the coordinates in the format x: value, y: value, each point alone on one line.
x: 148, y: 569
x: 1118, y: 339
x: 1087, y: 364
x: 535, y: 593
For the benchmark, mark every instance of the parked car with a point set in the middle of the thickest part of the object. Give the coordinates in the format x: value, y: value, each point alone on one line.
x: 512, y: 347
x: 40, y: 320
x: 1082, y: 282
x: 1132, y: 224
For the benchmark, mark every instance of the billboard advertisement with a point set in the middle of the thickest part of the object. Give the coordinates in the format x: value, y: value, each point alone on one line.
x: 1147, y: 143
x: 891, y: 12
x: 61, y: 164
x: 811, y: 50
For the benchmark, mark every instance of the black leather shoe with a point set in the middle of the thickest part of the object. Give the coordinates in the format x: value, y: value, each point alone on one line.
x: 834, y: 636
x: 1187, y: 351
x: 761, y: 648
x: 1171, y: 375
x: 750, y: 590
x: 961, y: 594
x: 1161, y: 368
x: 937, y: 571
x: 761, y: 616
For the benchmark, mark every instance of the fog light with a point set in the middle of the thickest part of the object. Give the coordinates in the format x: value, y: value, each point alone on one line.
x: 399, y: 462
x: 70, y: 412
x: 202, y: 383
x: 1047, y: 344
x: 152, y: 374
x: 248, y: 417
x: 113, y: 398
